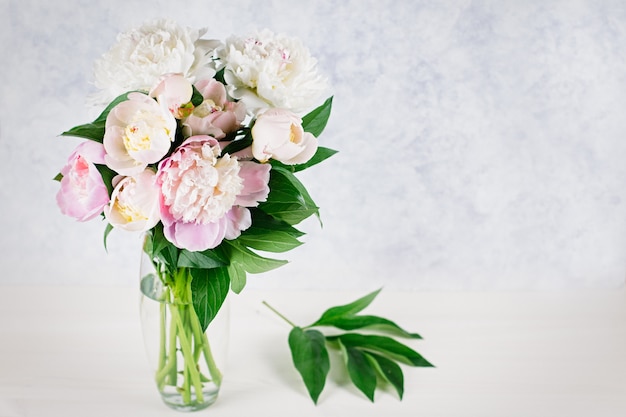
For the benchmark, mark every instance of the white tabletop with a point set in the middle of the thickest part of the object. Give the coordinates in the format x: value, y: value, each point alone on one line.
x: 78, y: 351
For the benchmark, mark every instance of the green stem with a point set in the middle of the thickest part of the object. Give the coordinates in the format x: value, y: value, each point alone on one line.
x: 279, y: 315
x: 185, y: 346
x: 162, y: 346
x: 216, y: 375
x: 172, y: 359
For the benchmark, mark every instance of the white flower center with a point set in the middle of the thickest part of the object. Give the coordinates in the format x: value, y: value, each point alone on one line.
x: 143, y: 128
x: 124, y: 203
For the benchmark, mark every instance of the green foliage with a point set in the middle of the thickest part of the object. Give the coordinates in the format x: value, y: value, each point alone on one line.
x: 310, y: 357
x: 250, y: 261
x: 321, y: 155
x: 196, y: 97
x: 370, y: 359
x: 238, y: 144
x: 315, y: 122
x: 209, y: 288
x: 288, y: 200
x: 361, y: 372
x: 107, y: 176
x: 107, y: 231
x: 206, y: 259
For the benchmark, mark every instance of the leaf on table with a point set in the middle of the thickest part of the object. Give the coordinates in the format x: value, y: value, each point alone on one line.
x: 388, y: 370
x: 384, y: 345
x: 363, y: 321
x: 310, y: 357
x: 335, y: 313
x: 361, y: 372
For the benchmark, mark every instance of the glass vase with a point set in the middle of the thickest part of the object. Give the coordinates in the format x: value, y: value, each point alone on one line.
x: 187, y: 361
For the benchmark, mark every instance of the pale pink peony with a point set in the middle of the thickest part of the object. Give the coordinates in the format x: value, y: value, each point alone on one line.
x: 255, y: 183
x: 278, y: 134
x: 174, y: 92
x: 134, y: 203
x: 201, y: 191
x: 237, y: 219
x: 83, y: 193
x: 138, y: 132
x: 216, y: 116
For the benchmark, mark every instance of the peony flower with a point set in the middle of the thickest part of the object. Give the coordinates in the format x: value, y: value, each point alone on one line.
x: 138, y: 132
x: 268, y: 70
x: 255, y: 183
x: 278, y: 134
x: 216, y: 116
x: 237, y: 219
x: 197, y: 190
x: 134, y: 203
x: 201, y: 194
x: 141, y: 55
x: 174, y: 92
x: 83, y: 193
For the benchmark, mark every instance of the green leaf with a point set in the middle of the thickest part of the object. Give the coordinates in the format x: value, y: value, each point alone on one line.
x: 107, y: 230
x: 95, y: 129
x: 162, y: 249
x: 359, y: 322
x: 209, y: 288
x: 206, y: 259
x: 268, y: 240
x: 288, y: 200
x: 263, y: 220
x: 158, y: 240
x: 335, y: 313
x: 250, y: 261
x: 360, y: 370
x: 320, y: 155
x: 107, y: 175
x: 58, y: 177
x: 310, y: 357
x: 315, y: 121
x: 237, y: 277
x: 388, y: 370
x: 196, y: 97
x: 384, y: 345
x: 238, y: 145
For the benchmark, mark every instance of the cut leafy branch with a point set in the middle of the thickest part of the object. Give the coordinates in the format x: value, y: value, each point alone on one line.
x: 371, y: 360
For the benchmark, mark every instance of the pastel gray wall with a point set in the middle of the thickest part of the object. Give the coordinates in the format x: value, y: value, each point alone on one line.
x: 482, y: 143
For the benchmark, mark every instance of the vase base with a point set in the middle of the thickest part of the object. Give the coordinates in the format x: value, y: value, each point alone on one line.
x: 176, y: 402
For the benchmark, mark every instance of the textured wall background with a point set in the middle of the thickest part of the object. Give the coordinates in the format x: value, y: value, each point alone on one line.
x: 482, y: 143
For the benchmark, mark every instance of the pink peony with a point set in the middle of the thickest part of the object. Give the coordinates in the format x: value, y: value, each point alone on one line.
x: 83, y: 193
x: 216, y: 116
x: 201, y: 194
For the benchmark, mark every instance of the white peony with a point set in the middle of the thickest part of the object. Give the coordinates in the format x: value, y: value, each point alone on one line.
x: 134, y: 204
x: 142, y: 55
x: 268, y: 70
x: 138, y: 132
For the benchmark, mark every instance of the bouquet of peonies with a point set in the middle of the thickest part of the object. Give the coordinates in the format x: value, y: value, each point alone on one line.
x: 198, y: 147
